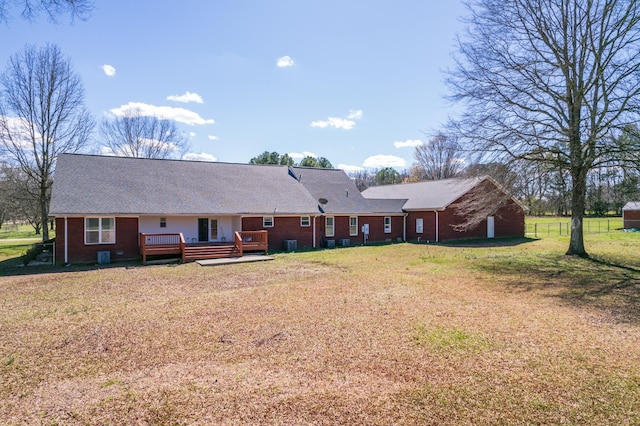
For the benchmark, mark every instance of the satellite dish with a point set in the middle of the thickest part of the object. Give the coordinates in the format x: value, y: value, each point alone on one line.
x: 323, y: 201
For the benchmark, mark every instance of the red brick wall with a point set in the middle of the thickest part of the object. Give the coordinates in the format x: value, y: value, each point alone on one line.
x: 288, y: 228
x: 125, y: 247
x: 508, y: 222
x: 631, y: 219
x: 376, y: 228
x: 428, y: 225
x: 284, y: 228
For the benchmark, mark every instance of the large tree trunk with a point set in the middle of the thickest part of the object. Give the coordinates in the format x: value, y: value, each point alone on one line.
x: 576, y: 243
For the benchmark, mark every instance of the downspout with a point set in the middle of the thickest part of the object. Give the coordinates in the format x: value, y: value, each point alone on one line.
x: 437, y: 227
x: 66, y: 242
x: 314, y: 231
x: 404, y: 228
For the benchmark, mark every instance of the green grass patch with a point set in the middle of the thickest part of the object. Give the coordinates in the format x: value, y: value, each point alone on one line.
x: 449, y: 339
x: 9, y: 231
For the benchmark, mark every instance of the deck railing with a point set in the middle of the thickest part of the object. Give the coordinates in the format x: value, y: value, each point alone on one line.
x: 255, y: 240
x: 159, y: 244
x: 237, y: 239
x: 152, y: 244
x: 159, y: 239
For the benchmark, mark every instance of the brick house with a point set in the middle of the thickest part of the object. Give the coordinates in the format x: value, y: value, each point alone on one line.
x: 126, y: 206
x: 433, y: 214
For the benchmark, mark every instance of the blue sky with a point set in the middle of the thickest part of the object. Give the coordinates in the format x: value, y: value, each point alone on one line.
x: 359, y: 82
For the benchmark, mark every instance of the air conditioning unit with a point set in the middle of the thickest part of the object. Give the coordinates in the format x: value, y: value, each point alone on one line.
x: 104, y: 257
x: 329, y: 243
x: 290, y: 245
x: 344, y: 242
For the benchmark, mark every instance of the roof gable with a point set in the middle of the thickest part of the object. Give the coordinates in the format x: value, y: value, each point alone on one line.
x: 631, y: 205
x: 336, y: 193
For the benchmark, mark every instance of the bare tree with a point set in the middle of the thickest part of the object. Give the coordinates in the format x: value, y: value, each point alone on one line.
x: 437, y: 159
x: 42, y: 114
x: 22, y: 197
x: 30, y: 9
x: 550, y: 81
x: 143, y: 136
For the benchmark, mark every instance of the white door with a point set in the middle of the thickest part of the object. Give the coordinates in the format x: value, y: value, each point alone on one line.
x: 490, y: 229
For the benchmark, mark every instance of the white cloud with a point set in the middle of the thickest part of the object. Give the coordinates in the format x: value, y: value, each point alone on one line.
x: 105, y: 150
x: 301, y: 155
x: 20, y: 131
x: 339, y: 123
x: 186, y: 98
x: 285, y: 62
x: 409, y: 143
x: 381, y: 161
x: 192, y: 156
x: 108, y: 70
x: 355, y: 114
x: 350, y: 169
x: 192, y: 134
x: 180, y: 115
x: 213, y: 138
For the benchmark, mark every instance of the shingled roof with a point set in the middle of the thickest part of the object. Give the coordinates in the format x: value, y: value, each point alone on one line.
x: 336, y: 193
x: 88, y: 184
x: 427, y: 195
x: 631, y: 205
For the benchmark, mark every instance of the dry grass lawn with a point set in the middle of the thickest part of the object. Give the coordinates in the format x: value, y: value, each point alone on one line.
x: 398, y: 334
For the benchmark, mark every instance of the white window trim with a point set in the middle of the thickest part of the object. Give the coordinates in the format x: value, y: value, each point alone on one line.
x: 420, y: 228
x: 308, y: 221
x: 267, y: 218
x: 333, y: 226
x: 351, y: 227
x: 387, y: 227
x: 100, y: 242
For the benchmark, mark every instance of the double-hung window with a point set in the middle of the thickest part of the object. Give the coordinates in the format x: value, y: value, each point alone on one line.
x: 419, y: 226
x: 329, y: 229
x: 353, y: 225
x: 267, y: 221
x: 387, y: 224
x: 100, y: 230
x: 305, y: 221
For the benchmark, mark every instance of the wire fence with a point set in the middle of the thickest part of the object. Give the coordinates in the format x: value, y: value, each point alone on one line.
x: 590, y: 226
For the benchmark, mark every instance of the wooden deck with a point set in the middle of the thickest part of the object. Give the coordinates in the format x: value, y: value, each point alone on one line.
x: 171, y: 243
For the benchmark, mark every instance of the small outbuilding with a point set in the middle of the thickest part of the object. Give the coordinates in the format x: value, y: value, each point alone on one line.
x: 631, y: 215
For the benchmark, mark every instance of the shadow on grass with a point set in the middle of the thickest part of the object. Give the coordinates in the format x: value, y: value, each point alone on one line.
x: 488, y: 242
x: 15, y: 267
x: 605, y: 284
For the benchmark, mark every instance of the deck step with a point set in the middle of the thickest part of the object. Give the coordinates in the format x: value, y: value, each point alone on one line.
x: 210, y: 252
